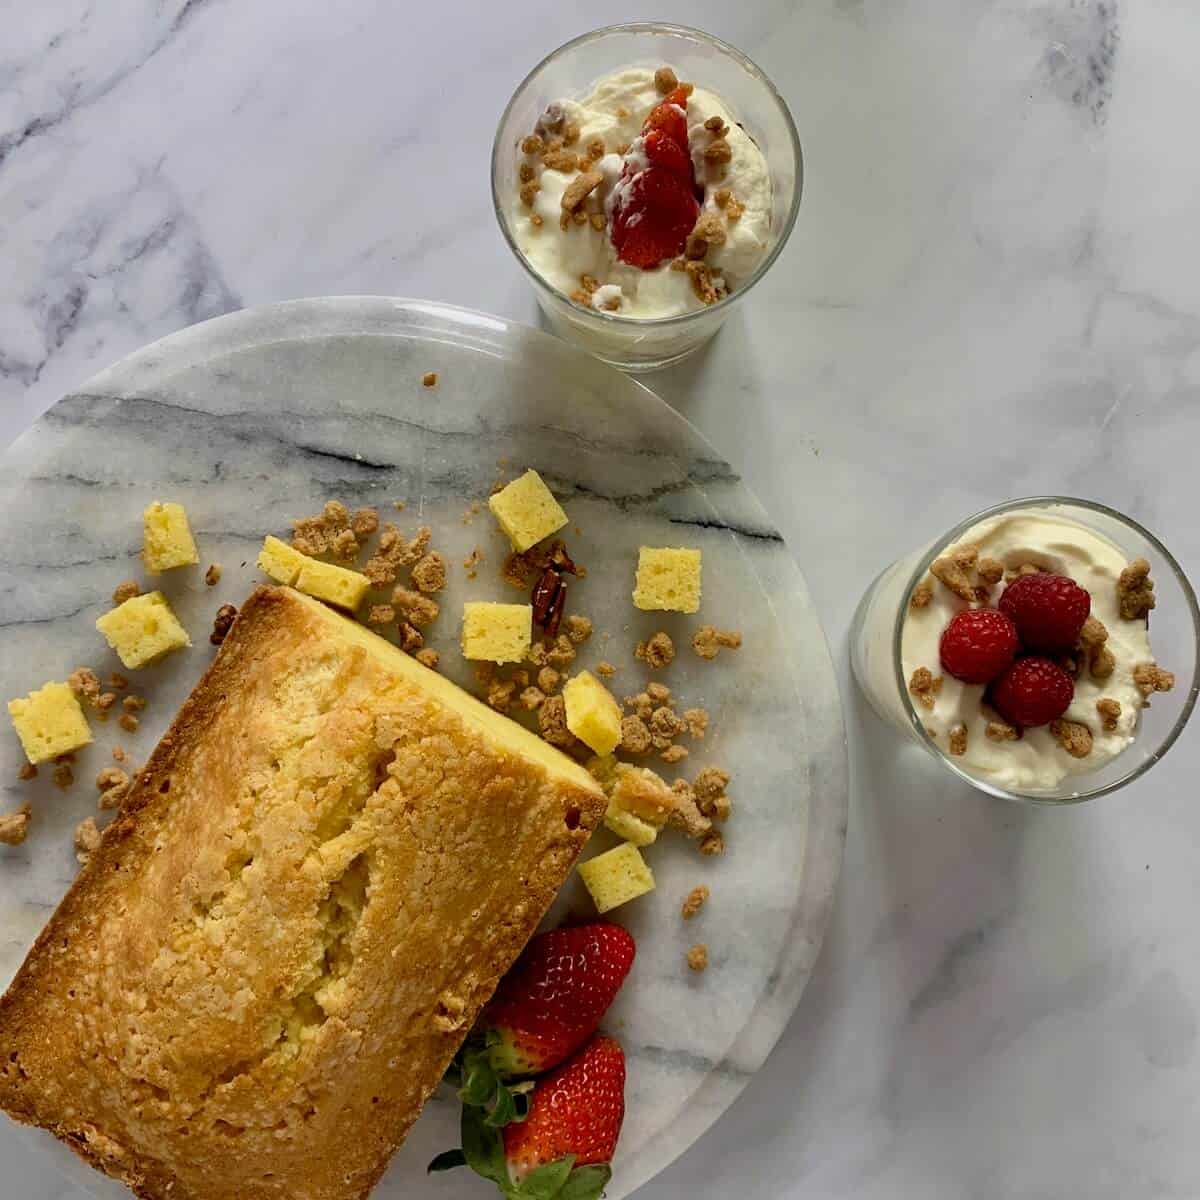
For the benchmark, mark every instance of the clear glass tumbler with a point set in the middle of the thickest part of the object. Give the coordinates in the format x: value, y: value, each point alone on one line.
x: 878, y: 625
x: 625, y: 342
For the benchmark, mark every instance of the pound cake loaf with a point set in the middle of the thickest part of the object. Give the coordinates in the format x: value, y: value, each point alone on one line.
x: 313, y: 887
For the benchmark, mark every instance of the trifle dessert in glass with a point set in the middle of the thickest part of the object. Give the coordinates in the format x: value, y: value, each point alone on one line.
x: 646, y: 176
x: 1019, y: 649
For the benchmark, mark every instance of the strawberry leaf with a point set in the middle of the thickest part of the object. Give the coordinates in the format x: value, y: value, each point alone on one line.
x: 586, y: 1183
x: 546, y: 1182
x: 483, y: 1148
x: 447, y: 1161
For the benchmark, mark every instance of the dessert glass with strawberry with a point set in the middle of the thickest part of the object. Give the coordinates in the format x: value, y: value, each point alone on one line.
x: 1017, y: 649
x: 646, y: 176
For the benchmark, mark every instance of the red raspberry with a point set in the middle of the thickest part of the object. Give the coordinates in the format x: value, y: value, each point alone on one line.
x: 978, y: 644
x: 1048, y: 611
x: 653, y: 219
x: 1033, y: 691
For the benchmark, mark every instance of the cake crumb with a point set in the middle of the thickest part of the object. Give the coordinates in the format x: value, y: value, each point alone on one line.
x: 641, y: 704
x: 381, y: 614
x: 416, y: 609
x: 548, y: 680
x: 63, y: 775
x: 411, y: 638
x: 125, y: 591
x: 213, y: 575
x: 323, y: 533
x: 500, y: 694
x: 128, y: 722
x: 1074, y: 738
x: 133, y: 703
x: 924, y: 688
x: 1001, y: 731
x: 429, y: 573
x: 1110, y: 713
x: 990, y: 570
x: 708, y: 641
x: 665, y: 80
x: 657, y: 651
x: 709, y: 790
x: 734, y: 209
x: 84, y: 683
x: 104, y: 702
x: 28, y: 771
x: 579, y: 628
x: 697, y: 957
x: 118, y: 753
x: 562, y: 652
x: 659, y: 693
x: 952, y: 574
x: 958, y: 740
x: 532, y: 698
x: 552, y: 722
x: 921, y: 594
x: 429, y: 379
x: 685, y: 813
x: 395, y: 552
x: 1135, y: 590
x: 674, y: 754
x: 222, y: 623
x: 605, y: 669
x: 712, y: 844
x: 694, y: 902
x: 117, y: 682
x: 696, y: 721
x: 14, y: 826
x: 364, y: 522
x: 113, y: 784
x: 665, y: 726
x: 428, y: 657
x: 1150, y: 678
x: 635, y: 736
x: 87, y: 839
x: 471, y: 563
x: 399, y: 505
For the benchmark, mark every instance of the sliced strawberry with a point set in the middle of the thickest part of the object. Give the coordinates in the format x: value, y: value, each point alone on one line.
x: 653, y: 217
x: 671, y: 117
x: 662, y: 150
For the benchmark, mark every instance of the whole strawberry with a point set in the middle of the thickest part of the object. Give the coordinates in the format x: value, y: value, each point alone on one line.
x: 565, y: 1145
x: 545, y: 1008
x: 1048, y: 611
x: 1033, y: 691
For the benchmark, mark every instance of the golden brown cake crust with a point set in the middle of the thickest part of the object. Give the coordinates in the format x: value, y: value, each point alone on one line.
x: 315, y: 883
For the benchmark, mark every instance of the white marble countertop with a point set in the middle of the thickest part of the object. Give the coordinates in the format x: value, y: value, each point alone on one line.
x: 991, y: 291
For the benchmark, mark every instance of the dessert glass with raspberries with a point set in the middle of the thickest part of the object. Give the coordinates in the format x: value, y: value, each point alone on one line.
x: 1044, y: 650
x: 646, y: 176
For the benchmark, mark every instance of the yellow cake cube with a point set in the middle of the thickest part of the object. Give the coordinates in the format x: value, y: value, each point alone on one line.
x: 321, y: 580
x: 49, y: 722
x: 143, y: 630
x: 593, y: 715
x: 626, y: 825
x: 616, y: 876
x: 499, y: 633
x: 280, y: 561
x: 667, y: 580
x: 167, y: 540
x: 642, y: 793
x: 527, y: 511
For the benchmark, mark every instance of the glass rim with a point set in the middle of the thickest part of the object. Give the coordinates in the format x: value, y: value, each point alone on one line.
x: 751, y: 68
x: 1032, y: 796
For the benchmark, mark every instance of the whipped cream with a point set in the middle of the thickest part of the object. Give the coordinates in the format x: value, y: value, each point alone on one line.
x: 614, y: 111
x: 1036, y: 761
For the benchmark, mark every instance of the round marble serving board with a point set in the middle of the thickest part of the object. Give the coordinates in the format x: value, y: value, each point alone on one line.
x: 253, y: 419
